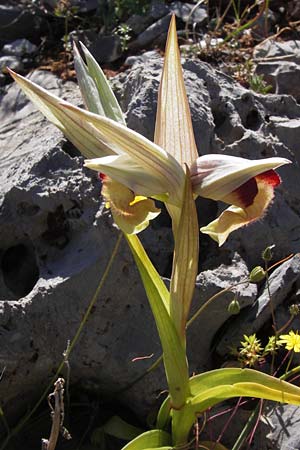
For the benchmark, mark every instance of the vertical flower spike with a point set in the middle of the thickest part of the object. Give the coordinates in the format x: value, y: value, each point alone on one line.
x: 173, y: 127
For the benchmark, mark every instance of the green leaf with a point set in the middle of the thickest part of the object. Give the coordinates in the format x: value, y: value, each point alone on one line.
x: 87, y: 85
x: 213, y: 387
x: 108, y: 100
x: 120, y: 429
x: 185, y: 262
x: 164, y: 414
x: 173, y: 351
x: 153, y: 439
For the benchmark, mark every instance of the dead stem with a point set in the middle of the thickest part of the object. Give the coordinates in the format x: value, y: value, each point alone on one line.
x: 57, y: 415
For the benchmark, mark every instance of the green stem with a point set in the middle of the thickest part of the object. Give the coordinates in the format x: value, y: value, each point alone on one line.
x: 290, y: 373
x: 211, y: 299
x: 246, y: 430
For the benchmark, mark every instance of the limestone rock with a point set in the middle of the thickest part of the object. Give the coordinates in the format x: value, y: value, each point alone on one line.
x: 13, y: 62
x: 289, y: 50
x: 283, y: 427
x: 282, y: 76
x: 19, y: 21
x: 19, y: 47
x: 154, y: 31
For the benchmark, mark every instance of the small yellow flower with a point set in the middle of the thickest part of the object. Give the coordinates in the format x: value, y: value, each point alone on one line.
x: 291, y: 341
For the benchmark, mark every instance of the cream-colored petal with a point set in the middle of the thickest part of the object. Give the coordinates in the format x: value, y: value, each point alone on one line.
x: 156, y: 161
x: 173, y: 126
x: 215, y: 176
x: 127, y: 172
x: 84, y: 138
x: 235, y: 217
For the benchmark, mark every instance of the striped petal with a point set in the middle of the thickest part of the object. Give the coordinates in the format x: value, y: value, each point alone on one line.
x: 173, y: 125
x: 152, y: 158
x: 90, y: 144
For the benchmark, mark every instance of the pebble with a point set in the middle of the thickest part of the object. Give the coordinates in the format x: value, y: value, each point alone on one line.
x: 12, y: 62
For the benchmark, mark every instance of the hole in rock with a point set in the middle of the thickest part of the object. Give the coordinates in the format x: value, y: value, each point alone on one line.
x: 252, y: 121
x: 20, y: 269
x: 219, y: 117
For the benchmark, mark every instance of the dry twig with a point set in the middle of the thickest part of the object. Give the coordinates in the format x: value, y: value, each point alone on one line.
x: 57, y: 415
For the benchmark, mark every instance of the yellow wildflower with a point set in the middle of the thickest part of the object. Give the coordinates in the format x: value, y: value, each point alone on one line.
x: 291, y: 341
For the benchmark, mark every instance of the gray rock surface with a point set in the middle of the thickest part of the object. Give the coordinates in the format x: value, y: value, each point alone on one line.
x: 19, y: 21
x: 209, y: 283
x: 13, y: 62
x: 188, y: 13
x: 154, y: 31
x: 283, y: 76
x: 104, y: 48
x: 288, y: 50
x: 284, y: 421
x: 143, y: 58
x: 19, y: 47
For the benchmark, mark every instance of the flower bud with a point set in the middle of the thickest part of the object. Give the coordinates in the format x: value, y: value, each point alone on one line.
x: 234, y: 307
x: 257, y: 274
x: 267, y: 254
x: 294, y: 310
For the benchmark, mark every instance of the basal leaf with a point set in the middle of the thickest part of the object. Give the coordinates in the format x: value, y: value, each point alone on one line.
x: 153, y: 439
x: 213, y: 387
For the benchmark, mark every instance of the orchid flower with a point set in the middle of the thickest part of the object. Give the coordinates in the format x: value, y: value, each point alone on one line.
x: 137, y: 170
x: 247, y: 185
